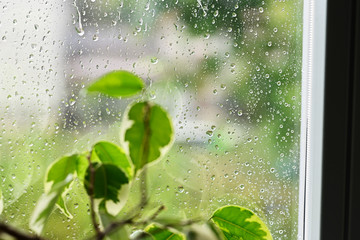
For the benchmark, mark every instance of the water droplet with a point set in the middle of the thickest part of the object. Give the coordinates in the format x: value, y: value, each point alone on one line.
x: 269, y: 43
x: 239, y: 113
x: 242, y: 186
x: 216, y: 13
x: 181, y: 189
x: 214, y: 91
x: 213, y: 177
x: 80, y: 31
x: 72, y: 102
x: 209, y: 133
x: 261, y: 10
x: 154, y: 60
x: 152, y: 95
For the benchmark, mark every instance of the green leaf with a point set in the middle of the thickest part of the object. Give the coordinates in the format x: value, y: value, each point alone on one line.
x: 141, y: 235
x: 110, y: 153
x: 62, y: 206
x: 160, y: 233
x: 238, y: 223
x: 108, y: 180
x: 150, y: 132
x: 59, y: 170
x: 46, y: 204
x: 118, y: 84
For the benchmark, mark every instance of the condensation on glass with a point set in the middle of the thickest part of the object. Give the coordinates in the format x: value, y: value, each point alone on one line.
x: 229, y: 73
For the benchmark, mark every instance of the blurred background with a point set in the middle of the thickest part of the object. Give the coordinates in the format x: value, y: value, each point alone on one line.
x: 228, y: 72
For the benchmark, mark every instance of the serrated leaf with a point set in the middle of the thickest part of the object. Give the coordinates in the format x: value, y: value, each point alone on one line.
x: 238, y: 223
x: 118, y: 84
x: 111, y: 153
x: 46, y: 204
x: 59, y: 170
x: 160, y: 233
x: 108, y: 180
x: 150, y: 132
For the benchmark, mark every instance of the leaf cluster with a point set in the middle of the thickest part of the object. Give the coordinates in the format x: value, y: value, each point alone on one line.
x: 107, y: 171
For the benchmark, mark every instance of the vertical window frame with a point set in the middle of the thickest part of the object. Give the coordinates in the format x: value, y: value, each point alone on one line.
x: 341, y: 137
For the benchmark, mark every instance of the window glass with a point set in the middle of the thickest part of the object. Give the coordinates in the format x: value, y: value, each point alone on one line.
x: 228, y: 72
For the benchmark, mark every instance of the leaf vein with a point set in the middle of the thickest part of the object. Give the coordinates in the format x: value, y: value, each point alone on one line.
x: 173, y: 234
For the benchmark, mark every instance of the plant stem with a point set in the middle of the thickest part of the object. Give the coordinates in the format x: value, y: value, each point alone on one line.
x: 115, y: 225
x: 17, y: 234
x: 145, y: 154
x: 91, y: 197
x: 112, y: 227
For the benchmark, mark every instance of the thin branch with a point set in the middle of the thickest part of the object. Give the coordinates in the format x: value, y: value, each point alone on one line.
x: 17, y: 234
x: 145, y: 154
x: 115, y: 225
x: 160, y: 209
x: 91, y: 197
x: 143, y: 188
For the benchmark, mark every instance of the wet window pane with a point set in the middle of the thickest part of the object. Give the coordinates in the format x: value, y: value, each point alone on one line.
x: 228, y: 72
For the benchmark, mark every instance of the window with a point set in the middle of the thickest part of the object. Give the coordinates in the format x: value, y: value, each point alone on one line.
x: 242, y: 81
